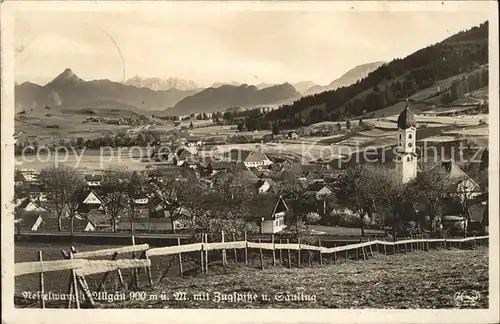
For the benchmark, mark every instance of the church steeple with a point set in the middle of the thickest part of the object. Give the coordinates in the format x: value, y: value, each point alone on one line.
x: 406, y: 156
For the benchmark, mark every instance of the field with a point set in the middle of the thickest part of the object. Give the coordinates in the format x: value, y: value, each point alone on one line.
x: 413, y: 280
x: 408, y: 280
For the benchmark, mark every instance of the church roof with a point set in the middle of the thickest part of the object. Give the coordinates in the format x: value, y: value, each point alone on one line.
x: 406, y: 119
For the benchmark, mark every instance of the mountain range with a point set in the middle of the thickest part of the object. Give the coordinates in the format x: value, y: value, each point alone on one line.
x: 443, y: 72
x: 348, y: 78
x: 158, y: 84
x: 68, y: 91
x: 228, y: 96
x: 173, y: 96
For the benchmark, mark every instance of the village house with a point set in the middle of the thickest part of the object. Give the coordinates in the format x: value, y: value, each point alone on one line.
x: 264, y: 185
x: 269, y: 213
x: 320, y: 189
x: 292, y: 135
x: 185, y: 153
x: 29, y: 221
x: 30, y: 175
x: 19, y: 179
x: 462, y: 184
x: 141, y: 199
x: 28, y: 205
x: 93, y: 180
x: 251, y: 159
x: 194, y: 141
x: 79, y: 224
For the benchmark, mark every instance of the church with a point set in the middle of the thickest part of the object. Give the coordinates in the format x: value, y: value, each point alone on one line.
x: 406, y: 166
x: 406, y: 157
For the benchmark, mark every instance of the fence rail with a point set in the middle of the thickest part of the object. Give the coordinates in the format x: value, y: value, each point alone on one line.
x: 77, y: 263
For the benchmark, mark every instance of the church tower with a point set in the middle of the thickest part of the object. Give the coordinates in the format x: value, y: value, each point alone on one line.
x: 406, y: 156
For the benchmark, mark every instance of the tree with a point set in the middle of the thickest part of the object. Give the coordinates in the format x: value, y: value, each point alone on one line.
x: 60, y: 183
x: 429, y: 187
x: 115, y: 200
x: 73, y: 203
x: 294, y: 192
x: 80, y: 143
x: 355, y: 190
x: 190, y: 197
x: 388, y: 194
x: 348, y: 124
x: 276, y: 129
x: 135, y: 185
x: 339, y: 127
x: 167, y: 188
x: 21, y: 192
x: 191, y: 125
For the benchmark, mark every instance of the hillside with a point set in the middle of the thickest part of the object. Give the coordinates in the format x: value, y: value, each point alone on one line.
x: 399, y: 79
x: 158, y: 84
x: 227, y: 96
x: 68, y: 91
x: 348, y: 78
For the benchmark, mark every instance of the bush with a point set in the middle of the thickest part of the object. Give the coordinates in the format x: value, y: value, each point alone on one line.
x: 348, y: 218
x: 313, y: 218
x: 423, y: 125
x: 482, y: 121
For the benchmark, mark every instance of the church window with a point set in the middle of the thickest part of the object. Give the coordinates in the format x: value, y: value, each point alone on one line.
x: 409, y: 136
x: 410, y: 144
x: 408, y: 158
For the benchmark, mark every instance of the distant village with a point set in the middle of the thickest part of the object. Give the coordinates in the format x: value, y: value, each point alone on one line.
x: 279, y: 194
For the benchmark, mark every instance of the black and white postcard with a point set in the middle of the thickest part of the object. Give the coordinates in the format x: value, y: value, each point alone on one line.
x: 250, y: 161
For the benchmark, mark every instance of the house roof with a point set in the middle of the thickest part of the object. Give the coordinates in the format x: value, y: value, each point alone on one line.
x: 261, y: 182
x: 19, y: 177
x: 221, y: 165
x: 93, y: 177
x: 267, y: 205
x: 477, y: 211
x: 84, y: 194
x: 317, y: 186
x: 406, y: 119
x: 246, y: 156
x: 52, y: 224
x: 454, y: 171
x: 87, y: 208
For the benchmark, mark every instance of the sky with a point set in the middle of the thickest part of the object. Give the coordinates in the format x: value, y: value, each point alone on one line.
x: 209, y: 46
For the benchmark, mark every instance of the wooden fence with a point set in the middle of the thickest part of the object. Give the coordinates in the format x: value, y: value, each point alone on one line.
x: 79, y: 265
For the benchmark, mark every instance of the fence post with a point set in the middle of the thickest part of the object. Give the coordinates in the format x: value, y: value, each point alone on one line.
x: 179, y: 256
x: 223, y: 249
x: 274, y: 251
x: 298, y: 253
x: 75, y: 286
x: 411, y: 243
x: 474, y: 241
x: 235, y: 250
x: 261, y: 257
x: 246, y: 249
x: 206, y: 253
x: 42, y: 284
x: 144, y: 256
x: 134, y: 280
x: 202, y: 263
x: 320, y: 252
x: 370, y: 246
x: 309, y: 257
x: 289, y: 256
x: 385, y: 246
x: 335, y: 255
x: 281, y: 255
x: 445, y: 243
